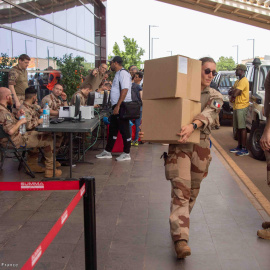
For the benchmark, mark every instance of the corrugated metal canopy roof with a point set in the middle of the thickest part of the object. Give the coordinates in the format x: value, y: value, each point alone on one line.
x: 256, y: 13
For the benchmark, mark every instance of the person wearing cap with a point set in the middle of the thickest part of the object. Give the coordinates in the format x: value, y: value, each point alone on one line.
x: 95, y: 77
x: 120, y: 92
x: 239, y: 96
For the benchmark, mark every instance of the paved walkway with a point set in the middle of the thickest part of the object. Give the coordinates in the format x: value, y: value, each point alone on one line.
x: 132, y: 219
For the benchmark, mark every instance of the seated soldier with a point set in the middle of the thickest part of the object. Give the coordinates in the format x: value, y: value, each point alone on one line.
x: 83, y: 93
x: 55, y: 100
x: 30, y: 139
x: 32, y: 115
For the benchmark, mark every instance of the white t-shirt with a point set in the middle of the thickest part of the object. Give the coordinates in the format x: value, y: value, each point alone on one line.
x: 125, y: 80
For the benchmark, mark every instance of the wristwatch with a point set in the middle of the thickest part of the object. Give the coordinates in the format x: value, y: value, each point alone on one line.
x: 194, y: 126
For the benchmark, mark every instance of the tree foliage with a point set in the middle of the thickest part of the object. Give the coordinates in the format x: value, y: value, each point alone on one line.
x: 5, y: 63
x: 225, y: 63
x: 132, y: 53
x: 72, y: 69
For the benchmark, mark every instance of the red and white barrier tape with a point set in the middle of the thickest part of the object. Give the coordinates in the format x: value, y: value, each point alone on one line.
x: 35, y: 186
x: 31, y: 262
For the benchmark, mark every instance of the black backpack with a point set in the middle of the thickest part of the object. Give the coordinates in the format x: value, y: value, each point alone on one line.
x: 130, y: 109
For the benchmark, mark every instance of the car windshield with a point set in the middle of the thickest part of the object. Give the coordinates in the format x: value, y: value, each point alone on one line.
x: 227, y: 80
x: 263, y: 73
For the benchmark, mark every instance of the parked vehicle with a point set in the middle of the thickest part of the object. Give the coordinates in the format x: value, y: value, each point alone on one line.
x: 224, y: 81
x: 255, y: 122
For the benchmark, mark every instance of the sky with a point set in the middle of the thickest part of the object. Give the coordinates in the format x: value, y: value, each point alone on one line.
x: 182, y: 31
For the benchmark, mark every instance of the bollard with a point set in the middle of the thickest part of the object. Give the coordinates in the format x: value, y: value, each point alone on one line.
x: 89, y: 209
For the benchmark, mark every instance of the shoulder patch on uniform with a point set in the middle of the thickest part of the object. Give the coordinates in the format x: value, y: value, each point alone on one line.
x: 8, y: 117
x: 216, y: 104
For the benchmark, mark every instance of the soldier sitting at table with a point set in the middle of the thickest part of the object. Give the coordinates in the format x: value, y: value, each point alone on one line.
x: 55, y: 100
x: 30, y: 139
x: 32, y: 113
x: 83, y: 93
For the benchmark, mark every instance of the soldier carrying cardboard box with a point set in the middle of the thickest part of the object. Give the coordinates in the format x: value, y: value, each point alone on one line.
x: 187, y: 163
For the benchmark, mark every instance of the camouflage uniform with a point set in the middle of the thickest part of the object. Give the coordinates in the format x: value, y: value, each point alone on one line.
x: 267, y: 115
x: 18, y: 77
x: 54, y: 103
x: 187, y: 164
x: 95, y: 81
x: 81, y: 95
x: 30, y: 139
x: 32, y: 117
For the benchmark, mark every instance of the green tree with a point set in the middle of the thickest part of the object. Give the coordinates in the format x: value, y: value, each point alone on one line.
x: 132, y: 53
x: 5, y: 64
x: 225, y: 63
x: 72, y: 69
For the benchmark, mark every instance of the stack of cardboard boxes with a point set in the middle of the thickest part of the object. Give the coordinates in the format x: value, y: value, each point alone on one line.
x: 171, y: 98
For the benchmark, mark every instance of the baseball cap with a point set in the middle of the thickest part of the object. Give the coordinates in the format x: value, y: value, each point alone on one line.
x: 117, y: 59
x: 241, y: 66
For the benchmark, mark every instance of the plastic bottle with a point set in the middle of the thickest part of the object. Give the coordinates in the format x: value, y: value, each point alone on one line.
x: 46, y: 116
x: 22, y: 127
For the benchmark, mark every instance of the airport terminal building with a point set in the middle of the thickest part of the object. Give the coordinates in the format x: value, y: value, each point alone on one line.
x: 44, y: 29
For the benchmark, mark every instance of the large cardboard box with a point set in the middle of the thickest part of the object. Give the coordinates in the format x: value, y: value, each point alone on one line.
x: 163, y: 118
x: 172, y: 77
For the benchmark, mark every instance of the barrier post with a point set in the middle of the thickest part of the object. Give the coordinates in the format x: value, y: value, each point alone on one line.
x: 89, y: 209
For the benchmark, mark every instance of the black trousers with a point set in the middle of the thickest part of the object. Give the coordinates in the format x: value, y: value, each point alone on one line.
x: 119, y: 124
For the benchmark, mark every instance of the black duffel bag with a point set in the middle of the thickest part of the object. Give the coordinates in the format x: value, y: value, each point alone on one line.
x: 130, y: 110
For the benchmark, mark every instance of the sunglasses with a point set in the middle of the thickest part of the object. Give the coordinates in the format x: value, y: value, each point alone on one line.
x: 208, y: 71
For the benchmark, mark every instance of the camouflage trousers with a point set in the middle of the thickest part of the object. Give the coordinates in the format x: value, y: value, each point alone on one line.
x: 34, y: 139
x: 185, y: 167
x: 267, y: 156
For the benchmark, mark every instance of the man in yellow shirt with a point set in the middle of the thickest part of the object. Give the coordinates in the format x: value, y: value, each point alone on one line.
x: 239, y: 95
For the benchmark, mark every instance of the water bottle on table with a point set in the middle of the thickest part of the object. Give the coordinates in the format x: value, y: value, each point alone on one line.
x: 46, y: 116
x: 22, y: 127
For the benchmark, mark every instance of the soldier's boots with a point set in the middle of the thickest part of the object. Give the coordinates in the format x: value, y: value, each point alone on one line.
x: 266, y: 224
x: 265, y: 234
x: 57, y: 164
x: 32, y: 162
x: 36, y: 168
x: 182, y: 249
x: 49, y: 173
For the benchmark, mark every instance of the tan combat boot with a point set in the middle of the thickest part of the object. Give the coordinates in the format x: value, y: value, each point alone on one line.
x: 265, y: 234
x: 49, y: 173
x: 266, y: 224
x: 57, y: 164
x: 36, y: 168
x: 182, y: 249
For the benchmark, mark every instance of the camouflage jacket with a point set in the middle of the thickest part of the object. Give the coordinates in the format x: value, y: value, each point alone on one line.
x: 212, y: 102
x: 8, y: 120
x: 94, y: 81
x: 32, y: 116
x: 54, y: 102
x: 82, y: 96
x: 18, y: 78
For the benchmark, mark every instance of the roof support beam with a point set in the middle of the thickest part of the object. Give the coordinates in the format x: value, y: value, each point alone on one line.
x: 217, y: 7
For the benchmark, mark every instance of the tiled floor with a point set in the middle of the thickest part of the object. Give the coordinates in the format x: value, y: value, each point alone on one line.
x: 132, y: 220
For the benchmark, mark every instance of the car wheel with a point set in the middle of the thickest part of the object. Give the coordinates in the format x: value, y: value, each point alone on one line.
x: 254, y: 141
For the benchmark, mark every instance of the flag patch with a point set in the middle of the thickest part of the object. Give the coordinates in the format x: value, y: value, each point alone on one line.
x: 216, y: 104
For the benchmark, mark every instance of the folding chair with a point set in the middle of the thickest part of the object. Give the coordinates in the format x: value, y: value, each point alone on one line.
x: 11, y: 148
